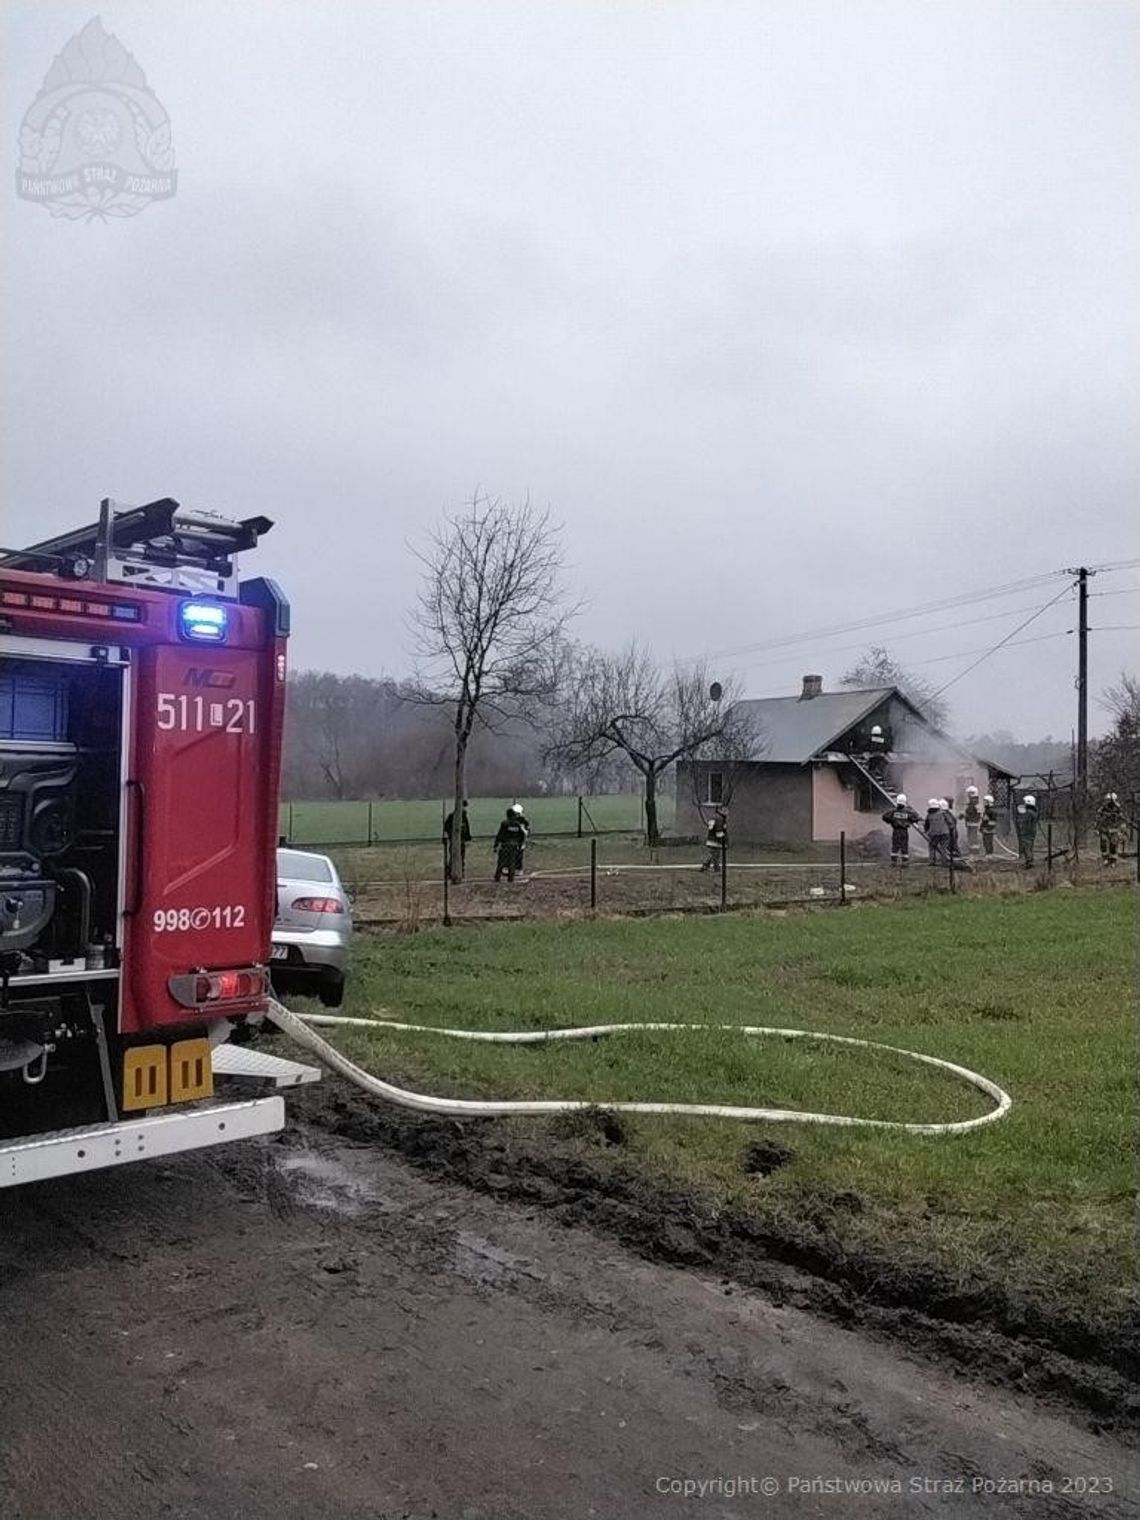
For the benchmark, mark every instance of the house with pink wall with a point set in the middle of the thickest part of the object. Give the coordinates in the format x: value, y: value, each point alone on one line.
x: 826, y: 763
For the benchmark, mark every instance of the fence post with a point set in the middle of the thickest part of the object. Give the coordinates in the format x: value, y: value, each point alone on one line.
x: 950, y: 858
x: 290, y: 823
x: 724, y: 876
x: 843, y: 868
x: 370, y: 822
x: 446, y: 888
x: 593, y: 871
x: 579, y: 817
x: 1049, y: 847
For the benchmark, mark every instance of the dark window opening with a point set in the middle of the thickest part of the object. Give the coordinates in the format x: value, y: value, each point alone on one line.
x: 714, y: 787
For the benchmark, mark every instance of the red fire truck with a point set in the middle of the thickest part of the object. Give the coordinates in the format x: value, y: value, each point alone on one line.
x: 142, y: 692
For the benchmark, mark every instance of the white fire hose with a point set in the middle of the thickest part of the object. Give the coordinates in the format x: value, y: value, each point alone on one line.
x: 299, y: 1027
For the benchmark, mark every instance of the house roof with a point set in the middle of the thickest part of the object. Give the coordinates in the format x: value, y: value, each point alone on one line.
x: 793, y: 730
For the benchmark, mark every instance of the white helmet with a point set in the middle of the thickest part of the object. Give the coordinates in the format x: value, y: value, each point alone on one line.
x: 516, y: 807
x: 1031, y: 801
x: 987, y: 798
x: 971, y: 791
x: 1111, y: 797
x: 900, y: 800
x: 934, y: 803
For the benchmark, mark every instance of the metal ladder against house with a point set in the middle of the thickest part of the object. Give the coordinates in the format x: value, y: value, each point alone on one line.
x: 881, y: 789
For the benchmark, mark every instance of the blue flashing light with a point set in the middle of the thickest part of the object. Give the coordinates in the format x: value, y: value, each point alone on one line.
x: 203, y: 622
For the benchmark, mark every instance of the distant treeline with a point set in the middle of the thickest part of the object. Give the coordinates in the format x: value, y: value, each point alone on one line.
x: 355, y: 737
x: 1035, y: 759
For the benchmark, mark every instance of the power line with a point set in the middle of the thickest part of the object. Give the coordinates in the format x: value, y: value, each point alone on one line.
x: 1124, y: 591
x: 961, y: 654
x: 946, y: 604
x: 1115, y: 628
x: 917, y: 633
x: 1120, y: 564
x: 1012, y: 634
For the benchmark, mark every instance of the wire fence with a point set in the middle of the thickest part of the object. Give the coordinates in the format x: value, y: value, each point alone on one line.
x: 395, y: 821
x: 606, y: 875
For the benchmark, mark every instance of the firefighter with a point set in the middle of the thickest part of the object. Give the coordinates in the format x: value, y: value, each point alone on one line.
x: 716, y: 840
x: 972, y: 818
x: 877, y: 754
x: 464, y: 838
x: 517, y: 809
x: 1110, y: 826
x: 936, y: 829
x: 955, y: 856
x: 988, y: 825
x: 1025, y: 822
x: 510, y: 842
x: 900, y: 817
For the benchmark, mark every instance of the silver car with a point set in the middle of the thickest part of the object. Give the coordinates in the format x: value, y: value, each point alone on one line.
x: 313, y: 931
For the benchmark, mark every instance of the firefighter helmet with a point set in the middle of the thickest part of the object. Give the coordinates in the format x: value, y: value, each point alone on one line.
x: 1030, y: 801
x: 988, y: 798
x: 515, y: 807
x: 900, y: 800
x: 971, y: 791
x: 934, y: 803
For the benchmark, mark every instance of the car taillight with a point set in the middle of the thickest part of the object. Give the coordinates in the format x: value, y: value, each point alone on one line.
x: 318, y: 904
x: 196, y: 989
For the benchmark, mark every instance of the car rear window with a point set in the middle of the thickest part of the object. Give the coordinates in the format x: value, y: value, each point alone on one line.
x: 303, y: 867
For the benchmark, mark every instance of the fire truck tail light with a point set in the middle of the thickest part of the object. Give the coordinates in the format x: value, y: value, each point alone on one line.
x: 206, y: 988
x: 318, y: 904
x: 203, y: 622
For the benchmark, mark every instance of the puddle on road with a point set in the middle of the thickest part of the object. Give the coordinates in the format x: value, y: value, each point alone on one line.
x: 326, y: 1182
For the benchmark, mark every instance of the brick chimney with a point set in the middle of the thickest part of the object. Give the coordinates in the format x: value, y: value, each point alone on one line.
x: 813, y: 687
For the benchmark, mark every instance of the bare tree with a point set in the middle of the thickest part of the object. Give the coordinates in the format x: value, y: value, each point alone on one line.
x: 1116, y: 757
x: 623, y: 703
x: 489, y: 622
x: 877, y: 667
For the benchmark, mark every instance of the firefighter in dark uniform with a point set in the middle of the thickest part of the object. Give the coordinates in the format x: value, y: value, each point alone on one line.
x: 1110, y: 825
x: 876, y: 757
x: 988, y: 826
x: 464, y: 837
x: 1025, y: 822
x: 972, y: 818
x: 900, y: 817
x: 716, y: 840
x: 510, y: 842
x: 935, y: 828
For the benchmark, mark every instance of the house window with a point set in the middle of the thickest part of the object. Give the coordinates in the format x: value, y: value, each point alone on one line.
x: 865, y: 797
x: 714, y: 788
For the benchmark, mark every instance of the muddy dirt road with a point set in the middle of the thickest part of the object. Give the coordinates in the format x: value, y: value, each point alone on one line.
x: 310, y: 1329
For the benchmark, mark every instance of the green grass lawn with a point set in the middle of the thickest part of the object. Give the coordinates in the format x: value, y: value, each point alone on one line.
x: 392, y: 820
x: 1033, y: 991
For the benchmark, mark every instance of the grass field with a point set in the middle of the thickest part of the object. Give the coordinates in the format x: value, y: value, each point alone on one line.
x: 1033, y: 991
x: 393, y: 820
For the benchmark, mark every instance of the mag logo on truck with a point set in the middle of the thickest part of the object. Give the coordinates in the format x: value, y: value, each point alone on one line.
x: 95, y: 142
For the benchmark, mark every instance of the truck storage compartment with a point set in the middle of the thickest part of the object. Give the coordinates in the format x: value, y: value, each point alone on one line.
x: 60, y: 781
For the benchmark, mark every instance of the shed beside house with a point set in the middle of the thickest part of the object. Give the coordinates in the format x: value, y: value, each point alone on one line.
x: 827, y: 761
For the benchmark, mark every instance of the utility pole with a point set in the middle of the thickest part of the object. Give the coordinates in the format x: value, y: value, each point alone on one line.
x: 1081, y: 775
x: 1082, y: 680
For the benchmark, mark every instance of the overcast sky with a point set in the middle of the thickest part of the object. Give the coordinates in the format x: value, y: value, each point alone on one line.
x: 792, y: 313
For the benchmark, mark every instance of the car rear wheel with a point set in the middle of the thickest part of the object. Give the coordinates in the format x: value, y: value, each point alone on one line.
x: 332, y: 988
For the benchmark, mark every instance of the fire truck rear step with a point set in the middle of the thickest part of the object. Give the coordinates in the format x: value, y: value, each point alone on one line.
x: 241, y: 1061
x: 60, y: 1153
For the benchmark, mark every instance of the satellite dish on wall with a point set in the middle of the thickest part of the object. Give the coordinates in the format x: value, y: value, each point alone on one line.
x: 716, y: 691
